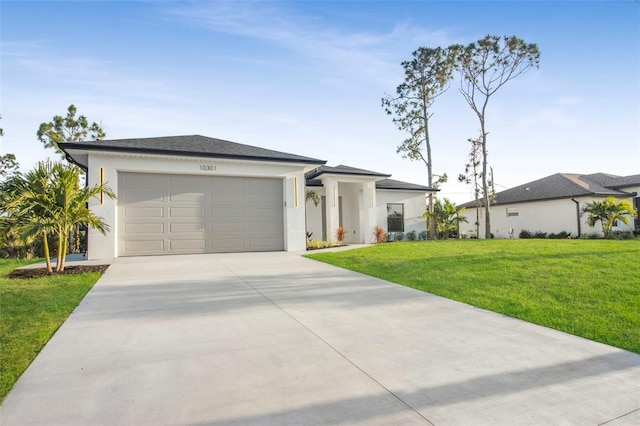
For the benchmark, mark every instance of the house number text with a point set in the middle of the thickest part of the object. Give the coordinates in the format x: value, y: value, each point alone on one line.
x: 207, y: 168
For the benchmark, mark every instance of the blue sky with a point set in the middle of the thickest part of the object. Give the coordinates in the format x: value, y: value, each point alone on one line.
x: 307, y: 78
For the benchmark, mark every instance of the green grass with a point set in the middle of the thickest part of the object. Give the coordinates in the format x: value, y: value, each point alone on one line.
x: 590, y: 288
x: 31, y: 310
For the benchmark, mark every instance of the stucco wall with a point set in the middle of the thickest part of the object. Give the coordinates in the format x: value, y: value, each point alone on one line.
x: 550, y: 216
x: 314, y: 214
x: 414, y: 207
x: 105, y: 246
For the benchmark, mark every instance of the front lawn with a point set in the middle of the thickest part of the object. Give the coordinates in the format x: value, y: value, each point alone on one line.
x: 31, y: 310
x: 590, y: 288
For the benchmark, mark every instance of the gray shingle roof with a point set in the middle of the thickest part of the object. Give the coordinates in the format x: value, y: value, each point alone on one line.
x: 389, y: 184
x: 343, y: 170
x: 193, y: 145
x: 560, y: 185
x: 405, y: 186
x: 613, y: 181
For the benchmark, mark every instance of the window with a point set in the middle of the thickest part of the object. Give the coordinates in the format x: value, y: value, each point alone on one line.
x: 395, y: 217
x: 512, y: 212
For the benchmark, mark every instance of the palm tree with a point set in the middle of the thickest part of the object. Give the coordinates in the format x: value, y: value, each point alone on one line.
x: 71, y: 205
x: 26, y: 206
x: 446, y: 216
x: 49, y: 200
x: 607, y: 212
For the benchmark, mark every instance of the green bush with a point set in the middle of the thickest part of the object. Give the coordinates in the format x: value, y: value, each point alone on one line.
x: 411, y: 235
x: 524, y: 234
x: 621, y: 235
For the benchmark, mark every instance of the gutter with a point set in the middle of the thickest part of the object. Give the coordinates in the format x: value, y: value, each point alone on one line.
x: 578, y: 215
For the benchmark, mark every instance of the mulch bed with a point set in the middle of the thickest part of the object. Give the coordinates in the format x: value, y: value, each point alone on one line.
x: 41, y: 272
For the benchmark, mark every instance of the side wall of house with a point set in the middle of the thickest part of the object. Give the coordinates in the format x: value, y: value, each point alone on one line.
x: 414, y: 207
x: 550, y: 216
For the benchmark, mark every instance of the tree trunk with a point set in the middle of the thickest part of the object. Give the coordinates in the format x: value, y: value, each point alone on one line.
x: 485, y: 189
x: 427, y: 142
x: 47, y: 256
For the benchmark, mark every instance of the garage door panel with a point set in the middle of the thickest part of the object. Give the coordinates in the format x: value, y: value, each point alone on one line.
x: 180, y: 245
x: 226, y: 244
x: 144, y: 228
x: 170, y: 214
x: 184, y: 228
x: 227, y: 227
x: 186, y: 212
x: 223, y: 214
x: 259, y: 244
x: 144, y: 212
x: 149, y: 195
x: 187, y: 197
x: 225, y: 199
x: 146, y: 246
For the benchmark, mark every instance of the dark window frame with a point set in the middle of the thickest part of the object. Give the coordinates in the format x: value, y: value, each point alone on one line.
x: 395, y: 223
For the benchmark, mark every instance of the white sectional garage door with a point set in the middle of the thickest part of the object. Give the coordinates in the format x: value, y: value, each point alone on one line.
x: 176, y: 214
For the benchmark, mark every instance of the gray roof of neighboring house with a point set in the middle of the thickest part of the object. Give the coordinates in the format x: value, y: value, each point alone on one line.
x: 342, y: 170
x: 563, y: 185
x: 192, y: 145
x: 613, y: 181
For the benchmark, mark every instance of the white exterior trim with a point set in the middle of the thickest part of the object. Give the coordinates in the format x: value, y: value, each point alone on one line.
x: 105, y: 246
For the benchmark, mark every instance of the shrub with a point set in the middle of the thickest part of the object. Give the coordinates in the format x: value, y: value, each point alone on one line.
x: 379, y: 234
x: 319, y: 244
x: 540, y: 234
x: 524, y: 234
x: 398, y: 236
x: 621, y: 235
x: 560, y: 235
x: 411, y: 235
x: 340, y: 232
x: 423, y: 235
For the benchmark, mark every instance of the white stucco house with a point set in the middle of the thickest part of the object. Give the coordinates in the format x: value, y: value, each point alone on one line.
x: 195, y: 194
x: 552, y: 204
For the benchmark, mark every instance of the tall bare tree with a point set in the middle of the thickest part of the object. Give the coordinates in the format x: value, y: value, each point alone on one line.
x: 485, y: 66
x: 427, y: 76
x: 472, y: 175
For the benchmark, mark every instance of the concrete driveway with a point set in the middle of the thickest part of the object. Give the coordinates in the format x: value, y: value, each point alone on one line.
x: 274, y: 338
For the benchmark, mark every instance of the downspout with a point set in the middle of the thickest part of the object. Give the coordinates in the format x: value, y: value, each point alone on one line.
x: 578, y: 215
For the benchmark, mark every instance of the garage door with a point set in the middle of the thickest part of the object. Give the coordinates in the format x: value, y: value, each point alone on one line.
x: 175, y: 214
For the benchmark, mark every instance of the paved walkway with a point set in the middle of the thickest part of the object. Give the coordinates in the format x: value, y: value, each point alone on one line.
x: 275, y: 338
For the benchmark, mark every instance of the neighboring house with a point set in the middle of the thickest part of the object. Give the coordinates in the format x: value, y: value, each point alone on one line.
x: 552, y: 204
x: 195, y: 194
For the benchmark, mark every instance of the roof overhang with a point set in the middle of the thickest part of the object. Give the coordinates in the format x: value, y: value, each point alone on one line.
x: 78, y: 153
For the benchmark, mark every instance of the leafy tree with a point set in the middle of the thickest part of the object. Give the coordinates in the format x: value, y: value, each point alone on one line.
x: 485, y: 66
x: 427, y: 76
x: 8, y: 165
x: 68, y: 129
x: 50, y: 200
x: 607, y: 212
x: 446, y: 216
